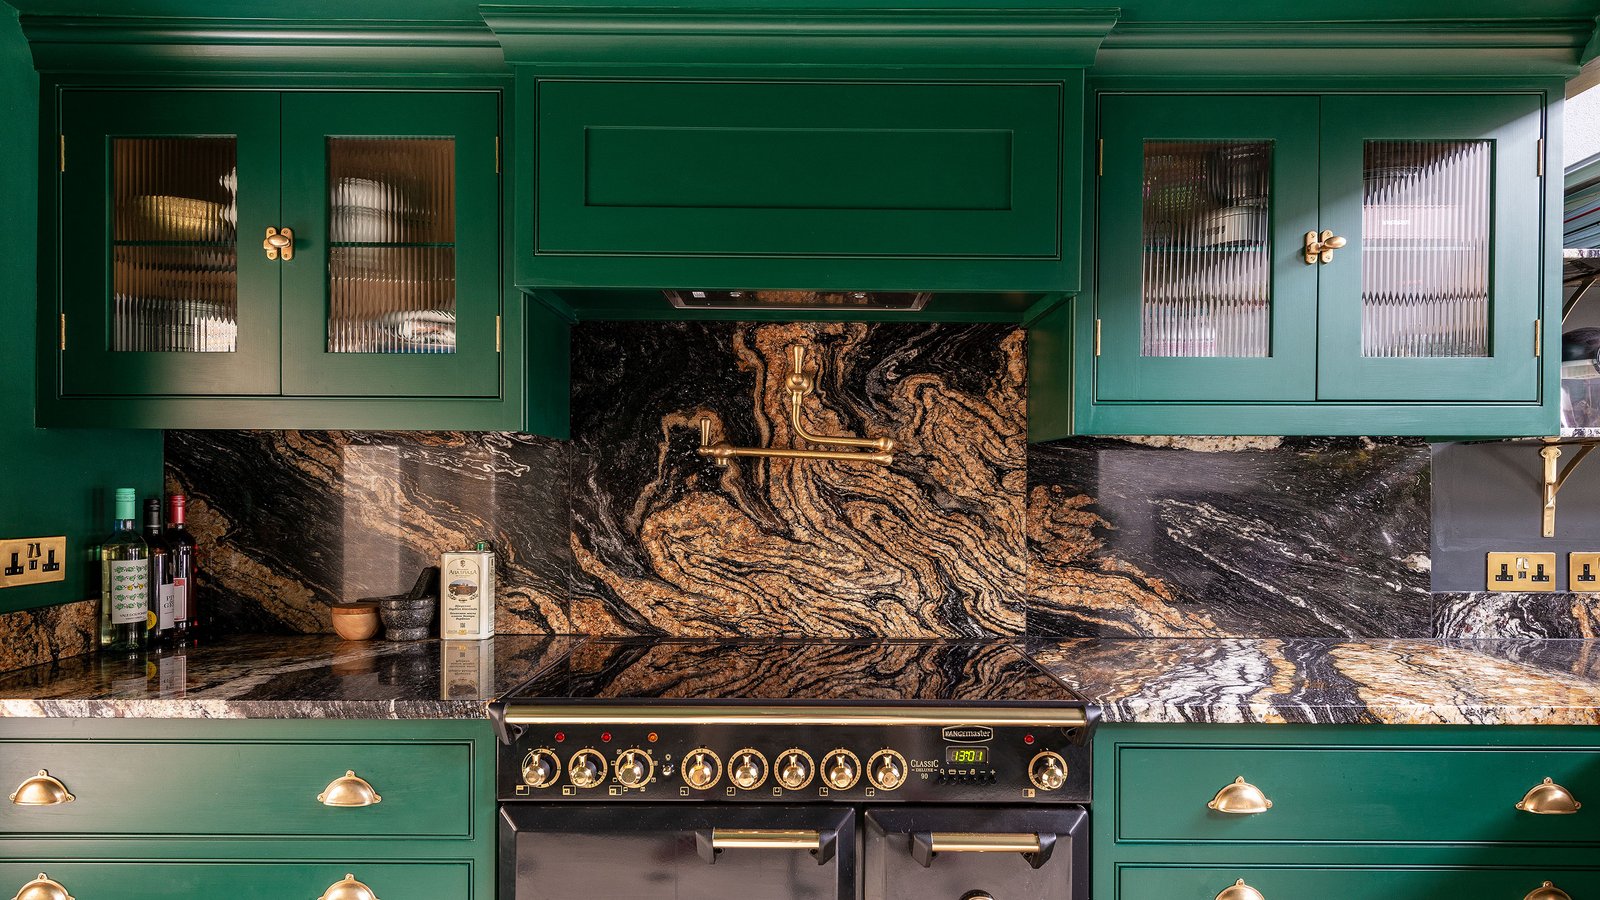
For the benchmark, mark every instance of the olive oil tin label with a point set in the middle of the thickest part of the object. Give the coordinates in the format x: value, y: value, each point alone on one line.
x: 466, y: 595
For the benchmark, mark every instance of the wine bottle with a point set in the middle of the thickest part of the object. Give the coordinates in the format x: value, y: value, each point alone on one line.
x: 159, y: 621
x: 124, y: 582
x: 185, y: 563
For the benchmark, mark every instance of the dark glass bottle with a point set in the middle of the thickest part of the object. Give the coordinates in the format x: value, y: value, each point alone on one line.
x: 160, y: 621
x: 185, y: 562
x: 124, y: 582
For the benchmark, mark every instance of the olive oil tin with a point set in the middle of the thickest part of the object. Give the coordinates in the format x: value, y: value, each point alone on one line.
x: 466, y: 594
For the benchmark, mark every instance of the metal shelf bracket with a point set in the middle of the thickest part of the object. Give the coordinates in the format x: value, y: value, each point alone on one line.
x: 1555, y: 477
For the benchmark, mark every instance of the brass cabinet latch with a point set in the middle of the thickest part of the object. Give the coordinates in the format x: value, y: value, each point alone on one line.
x: 279, y: 241
x: 1320, y: 249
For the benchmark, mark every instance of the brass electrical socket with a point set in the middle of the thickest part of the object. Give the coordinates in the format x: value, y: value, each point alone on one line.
x: 1521, y: 572
x: 32, y: 560
x: 1583, y: 571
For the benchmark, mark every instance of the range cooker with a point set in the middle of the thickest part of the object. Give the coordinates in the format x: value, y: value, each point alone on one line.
x: 755, y: 770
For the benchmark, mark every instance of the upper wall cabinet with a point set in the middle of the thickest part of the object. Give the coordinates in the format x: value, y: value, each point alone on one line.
x: 1320, y: 264
x: 799, y: 148
x: 258, y: 244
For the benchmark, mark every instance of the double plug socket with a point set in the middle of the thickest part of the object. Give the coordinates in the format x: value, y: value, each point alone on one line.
x: 1537, y: 572
x: 32, y: 560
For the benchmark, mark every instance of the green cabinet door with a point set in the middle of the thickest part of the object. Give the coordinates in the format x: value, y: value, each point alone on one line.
x: 165, y: 197
x: 163, y: 880
x: 394, y: 288
x: 1349, y: 882
x: 802, y: 184
x: 1203, y: 202
x: 1435, y: 295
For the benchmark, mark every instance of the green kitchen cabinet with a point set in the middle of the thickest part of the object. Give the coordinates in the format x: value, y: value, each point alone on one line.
x: 1423, y: 310
x: 1363, y: 811
x: 792, y: 183
x: 187, y: 807
x: 176, y: 304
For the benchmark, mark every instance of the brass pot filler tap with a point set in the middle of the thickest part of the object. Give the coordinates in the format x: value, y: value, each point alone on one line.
x: 875, y: 450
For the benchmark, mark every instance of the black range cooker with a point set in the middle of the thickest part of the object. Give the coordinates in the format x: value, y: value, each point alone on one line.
x: 754, y: 770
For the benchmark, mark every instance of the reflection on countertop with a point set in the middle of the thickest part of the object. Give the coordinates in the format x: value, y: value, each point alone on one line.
x: 285, y: 677
x: 1327, y: 681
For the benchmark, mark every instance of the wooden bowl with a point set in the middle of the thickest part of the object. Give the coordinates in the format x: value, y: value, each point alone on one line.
x: 355, y: 621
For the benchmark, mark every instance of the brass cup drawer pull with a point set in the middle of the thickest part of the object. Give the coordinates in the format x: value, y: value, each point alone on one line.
x: 349, y: 789
x: 348, y: 888
x: 1241, y: 798
x: 41, y: 790
x: 1547, y: 891
x: 1549, y: 799
x: 1240, y: 891
x: 42, y: 888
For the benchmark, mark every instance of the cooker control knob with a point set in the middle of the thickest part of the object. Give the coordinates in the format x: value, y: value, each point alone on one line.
x: 540, y: 768
x: 886, y: 770
x: 748, y: 769
x: 587, y: 768
x: 634, y: 768
x: 841, y: 769
x: 1047, y: 771
x: 794, y: 769
x: 701, y: 769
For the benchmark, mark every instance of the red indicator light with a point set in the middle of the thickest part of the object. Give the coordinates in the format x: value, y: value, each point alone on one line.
x: 605, y: 737
x: 1027, y: 739
x: 652, y: 737
x: 561, y: 736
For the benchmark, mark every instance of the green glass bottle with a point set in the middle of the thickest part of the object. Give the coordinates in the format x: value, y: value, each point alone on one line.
x: 124, y: 582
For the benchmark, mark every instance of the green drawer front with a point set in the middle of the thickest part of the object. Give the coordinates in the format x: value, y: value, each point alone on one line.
x: 696, y: 168
x: 1352, y: 794
x: 1351, y: 883
x: 237, y: 788
x: 241, y: 881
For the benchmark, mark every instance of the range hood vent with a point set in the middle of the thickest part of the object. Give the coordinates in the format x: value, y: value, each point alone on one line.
x: 877, y: 301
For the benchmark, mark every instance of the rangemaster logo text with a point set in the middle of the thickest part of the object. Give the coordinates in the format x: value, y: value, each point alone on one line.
x: 968, y: 734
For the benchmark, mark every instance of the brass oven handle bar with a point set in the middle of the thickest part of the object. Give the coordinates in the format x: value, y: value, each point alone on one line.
x: 1025, y: 717
x: 1035, y: 848
x: 820, y: 844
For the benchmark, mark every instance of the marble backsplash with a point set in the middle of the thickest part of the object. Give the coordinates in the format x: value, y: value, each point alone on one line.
x: 970, y: 532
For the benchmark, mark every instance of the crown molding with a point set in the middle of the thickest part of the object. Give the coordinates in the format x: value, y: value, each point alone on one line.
x: 897, y: 38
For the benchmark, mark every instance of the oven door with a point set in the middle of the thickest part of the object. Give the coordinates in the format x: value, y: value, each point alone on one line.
x: 976, y: 853
x: 631, y: 851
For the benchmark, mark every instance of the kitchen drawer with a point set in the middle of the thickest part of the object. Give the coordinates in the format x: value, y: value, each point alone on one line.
x: 241, y: 881
x: 256, y: 788
x: 1404, y: 794
x: 1350, y: 882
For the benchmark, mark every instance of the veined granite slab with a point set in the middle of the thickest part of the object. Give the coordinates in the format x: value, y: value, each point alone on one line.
x: 1331, y: 681
x: 285, y: 677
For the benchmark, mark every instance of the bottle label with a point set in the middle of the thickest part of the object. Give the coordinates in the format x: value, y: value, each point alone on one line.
x: 165, y: 607
x: 129, y: 590
x: 180, y: 599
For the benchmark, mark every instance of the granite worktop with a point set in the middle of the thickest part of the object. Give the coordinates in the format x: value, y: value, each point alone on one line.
x: 1332, y: 681
x: 285, y: 677
x: 1178, y: 680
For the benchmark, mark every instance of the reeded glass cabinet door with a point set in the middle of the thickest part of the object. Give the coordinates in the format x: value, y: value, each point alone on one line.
x: 162, y: 293
x: 1435, y: 292
x: 1202, y: 203
x: 394, y: 287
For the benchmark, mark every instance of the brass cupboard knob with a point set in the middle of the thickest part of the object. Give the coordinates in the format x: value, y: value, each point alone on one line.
x: 1549, y: 799
x: 348, y: 888
x: 279, y: 242
x: 1321, y: 247
x: 1547, y: 891
x: 1241, y: 798
x: 348, y: 789
x: 42, y: 888
x: 1240, y: 891
x: 41, y: 790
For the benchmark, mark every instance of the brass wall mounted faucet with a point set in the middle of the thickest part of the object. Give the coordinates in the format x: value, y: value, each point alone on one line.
x: 876, y: 450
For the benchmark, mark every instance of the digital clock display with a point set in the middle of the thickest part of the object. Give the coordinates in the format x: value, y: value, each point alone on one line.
x: 966, y: 756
